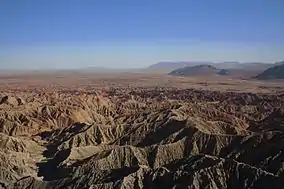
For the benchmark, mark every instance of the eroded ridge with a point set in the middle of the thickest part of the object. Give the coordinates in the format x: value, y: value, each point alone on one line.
x: 141, y: 138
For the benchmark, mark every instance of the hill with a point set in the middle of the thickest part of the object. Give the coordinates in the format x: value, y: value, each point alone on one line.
x: 279, y: 63
x: 205, y: 69
x: 248, y: 71
x: 248, y: 66
x: 238, y: 73
x: 276, y: 72
x: 170, y: 66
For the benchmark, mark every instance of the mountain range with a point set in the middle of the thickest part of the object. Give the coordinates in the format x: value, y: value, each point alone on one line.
x: 170, y: 66
x: 248, y: 70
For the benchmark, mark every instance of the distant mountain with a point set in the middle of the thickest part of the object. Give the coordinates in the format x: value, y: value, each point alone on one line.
x: 250, y: 66
x: 227, y: 65
x: 276, y: 72
x: 205, y: 69
x: 239, y: 73
x: 169, y: 66
x: 279, y: 63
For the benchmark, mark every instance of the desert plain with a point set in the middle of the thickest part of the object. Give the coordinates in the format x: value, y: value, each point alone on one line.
x: 140, y: 130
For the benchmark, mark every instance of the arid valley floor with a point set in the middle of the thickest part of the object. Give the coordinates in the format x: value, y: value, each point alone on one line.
x: 140, y: 130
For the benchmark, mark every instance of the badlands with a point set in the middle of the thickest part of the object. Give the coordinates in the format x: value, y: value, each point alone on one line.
x: 137, y: 130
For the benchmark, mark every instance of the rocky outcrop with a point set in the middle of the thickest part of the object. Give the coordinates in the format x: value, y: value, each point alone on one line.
x: 142, y: 138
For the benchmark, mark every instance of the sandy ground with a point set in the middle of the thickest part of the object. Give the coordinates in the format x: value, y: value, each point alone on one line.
x: 89, y: 81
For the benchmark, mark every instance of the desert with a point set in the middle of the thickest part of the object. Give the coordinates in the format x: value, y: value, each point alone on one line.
x: 145, y: 94
x: 140, y: 130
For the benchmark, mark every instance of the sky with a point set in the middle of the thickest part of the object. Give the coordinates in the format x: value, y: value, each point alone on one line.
x: 137, y: 33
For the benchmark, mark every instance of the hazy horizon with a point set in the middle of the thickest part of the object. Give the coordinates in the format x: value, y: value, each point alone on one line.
x: 124, y: 34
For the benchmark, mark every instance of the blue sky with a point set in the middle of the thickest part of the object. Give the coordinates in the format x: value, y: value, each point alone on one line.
x: 128, y: 33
